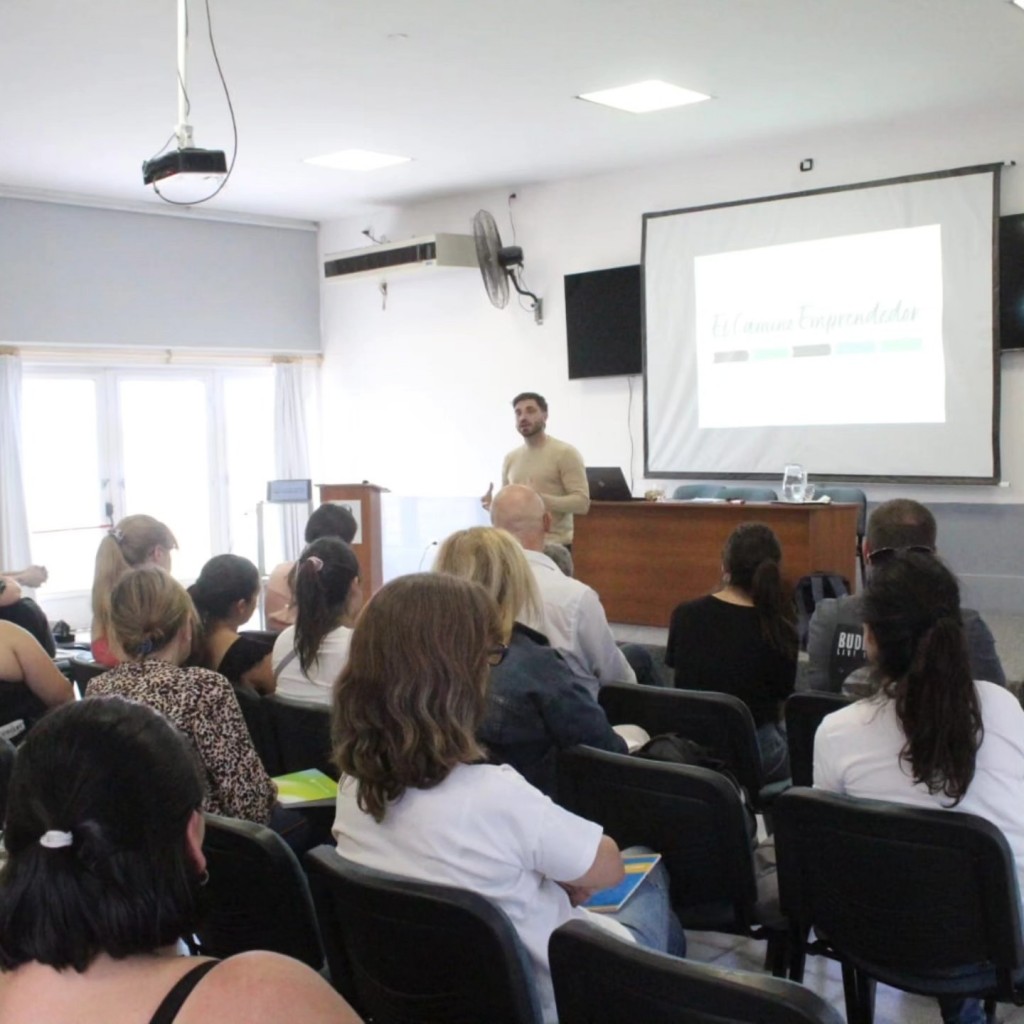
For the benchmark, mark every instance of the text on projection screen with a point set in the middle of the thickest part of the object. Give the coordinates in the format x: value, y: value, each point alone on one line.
x: 798, y: 327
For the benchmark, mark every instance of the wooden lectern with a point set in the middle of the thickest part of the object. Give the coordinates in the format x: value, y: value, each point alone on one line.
x: 364, y: 501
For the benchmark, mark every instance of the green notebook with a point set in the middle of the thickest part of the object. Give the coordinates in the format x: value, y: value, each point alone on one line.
x: 310, y: 788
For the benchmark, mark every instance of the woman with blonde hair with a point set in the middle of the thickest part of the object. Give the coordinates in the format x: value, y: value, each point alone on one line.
x: 535, y: 706
x: 134, y: 541
x: 152, y: 620
x: 416, y: 800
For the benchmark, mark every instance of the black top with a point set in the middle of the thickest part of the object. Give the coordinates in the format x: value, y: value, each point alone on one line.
x: 167, y: 1011
x: 242, y: 655
x: 718, y: 646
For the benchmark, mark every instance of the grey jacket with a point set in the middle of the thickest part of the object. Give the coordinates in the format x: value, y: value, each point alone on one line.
x: 835, y: 645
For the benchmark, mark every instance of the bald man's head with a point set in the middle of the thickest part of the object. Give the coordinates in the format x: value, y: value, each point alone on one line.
x: 520, y: 510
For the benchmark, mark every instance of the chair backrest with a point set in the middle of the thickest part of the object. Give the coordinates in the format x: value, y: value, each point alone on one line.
x: 718, y: 721
x: 898, y: 889
x: 7, y: 753
x: 851, y: 496
x: 302, y: 734
x: 601, y: 980
x: 405, y: 952
x: 694, y: 817
x: 804, y: 712
x: 686, y: 492
x: 748, y: 494
x: 257, y: 896
x: 84, y: 671
x: 261, y: 729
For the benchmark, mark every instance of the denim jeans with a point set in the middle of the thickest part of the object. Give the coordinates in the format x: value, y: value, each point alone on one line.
x: 774, y: 747
x: 648, y: 912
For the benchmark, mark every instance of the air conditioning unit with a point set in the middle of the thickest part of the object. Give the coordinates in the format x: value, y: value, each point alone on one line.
x: 432, y: 251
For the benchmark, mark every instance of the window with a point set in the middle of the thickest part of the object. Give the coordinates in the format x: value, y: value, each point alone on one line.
x: 194, y: 448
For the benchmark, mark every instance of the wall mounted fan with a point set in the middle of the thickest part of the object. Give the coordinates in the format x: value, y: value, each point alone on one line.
x: 500, y: 264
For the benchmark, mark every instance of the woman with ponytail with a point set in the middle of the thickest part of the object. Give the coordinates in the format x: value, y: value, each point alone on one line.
x: 930, y: 736
x: 134, y: 541
x: 742, y: 639
x: 152, y: 621
x: 309, y: 656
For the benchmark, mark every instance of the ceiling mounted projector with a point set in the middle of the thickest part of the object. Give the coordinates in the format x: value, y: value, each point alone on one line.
x: 187, y: 161
x: 184, y: 161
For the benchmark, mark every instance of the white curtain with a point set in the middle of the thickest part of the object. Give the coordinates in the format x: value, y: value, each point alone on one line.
x: 291, y: 449
x: 14, y: 543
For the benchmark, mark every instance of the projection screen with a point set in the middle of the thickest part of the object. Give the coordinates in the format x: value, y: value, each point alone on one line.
x: 851, y: 330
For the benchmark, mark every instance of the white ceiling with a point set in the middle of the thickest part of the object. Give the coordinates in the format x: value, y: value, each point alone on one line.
x: 479, y: 92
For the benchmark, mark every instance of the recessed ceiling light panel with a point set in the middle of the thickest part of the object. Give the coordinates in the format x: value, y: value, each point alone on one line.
x: 357, y: 160
x: 644, y: 97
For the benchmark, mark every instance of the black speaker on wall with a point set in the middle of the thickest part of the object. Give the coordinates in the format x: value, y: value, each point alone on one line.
x: 603, y: 323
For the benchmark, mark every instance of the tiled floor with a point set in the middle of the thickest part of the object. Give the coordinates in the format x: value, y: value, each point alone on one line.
x: 824, y: 977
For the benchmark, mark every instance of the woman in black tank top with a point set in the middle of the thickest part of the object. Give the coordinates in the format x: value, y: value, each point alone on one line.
x: 105, y: 860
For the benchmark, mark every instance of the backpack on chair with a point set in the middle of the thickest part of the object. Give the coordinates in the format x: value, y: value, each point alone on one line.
x: 809, y: 591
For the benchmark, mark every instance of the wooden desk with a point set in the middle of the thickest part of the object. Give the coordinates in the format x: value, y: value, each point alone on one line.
x: 644, y: 557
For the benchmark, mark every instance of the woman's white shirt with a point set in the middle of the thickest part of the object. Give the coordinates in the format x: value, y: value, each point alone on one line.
x: 486, y: 829
x: 317, y: 686
x: 857, y: 752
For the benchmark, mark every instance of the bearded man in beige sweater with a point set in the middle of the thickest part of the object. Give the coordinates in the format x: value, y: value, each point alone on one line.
x: 551, y: 467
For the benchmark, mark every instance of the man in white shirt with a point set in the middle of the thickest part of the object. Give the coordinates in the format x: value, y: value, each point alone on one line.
x: 575, y: 621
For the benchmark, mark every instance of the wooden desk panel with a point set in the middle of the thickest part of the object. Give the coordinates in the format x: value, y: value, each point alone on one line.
x: 643, y: 558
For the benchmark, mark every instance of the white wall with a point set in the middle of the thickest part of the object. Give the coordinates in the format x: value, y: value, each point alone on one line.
x: 417, y: 395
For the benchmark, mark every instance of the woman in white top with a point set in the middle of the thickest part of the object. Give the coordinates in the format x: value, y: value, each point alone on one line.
x: 416, y: 800
x: 309, y: 656
x: 931, y: 736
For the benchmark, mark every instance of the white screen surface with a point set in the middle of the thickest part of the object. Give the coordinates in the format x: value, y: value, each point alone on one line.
x: 850, y: 331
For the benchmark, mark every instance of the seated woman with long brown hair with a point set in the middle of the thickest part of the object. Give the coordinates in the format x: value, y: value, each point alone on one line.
x: 535, y: 706
x: 105, y: 863
x: 742, y: 639
x: 416, y: 798
x: 931, y: 736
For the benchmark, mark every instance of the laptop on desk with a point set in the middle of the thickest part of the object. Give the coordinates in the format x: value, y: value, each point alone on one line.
x: 607, y: 484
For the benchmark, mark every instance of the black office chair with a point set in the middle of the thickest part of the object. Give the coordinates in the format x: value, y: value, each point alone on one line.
x: 261, y: 730
x: 687, y: 492
x: 748, y: 494
x: 601, y: 980
x: 7, y: 753
x: 719, y: 722
x: 302, y: 734
x: 695, y: 819
x: 83, y: 671
x: 804, y: 712
x: 257, y: 896
x: 852, y: 496
x: 924, y: 900
x: 408, y: 952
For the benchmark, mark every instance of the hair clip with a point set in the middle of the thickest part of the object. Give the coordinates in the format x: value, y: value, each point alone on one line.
x: 54, y: 839
x: 315, y: 561
x: 146, y: 647
x: 117, y: 534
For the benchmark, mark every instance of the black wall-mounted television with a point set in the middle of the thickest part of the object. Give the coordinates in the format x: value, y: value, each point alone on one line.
x: 603, y: 323
x: 1011, y: 282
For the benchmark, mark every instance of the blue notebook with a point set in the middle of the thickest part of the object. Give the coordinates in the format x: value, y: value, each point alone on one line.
x: 638, y: 867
